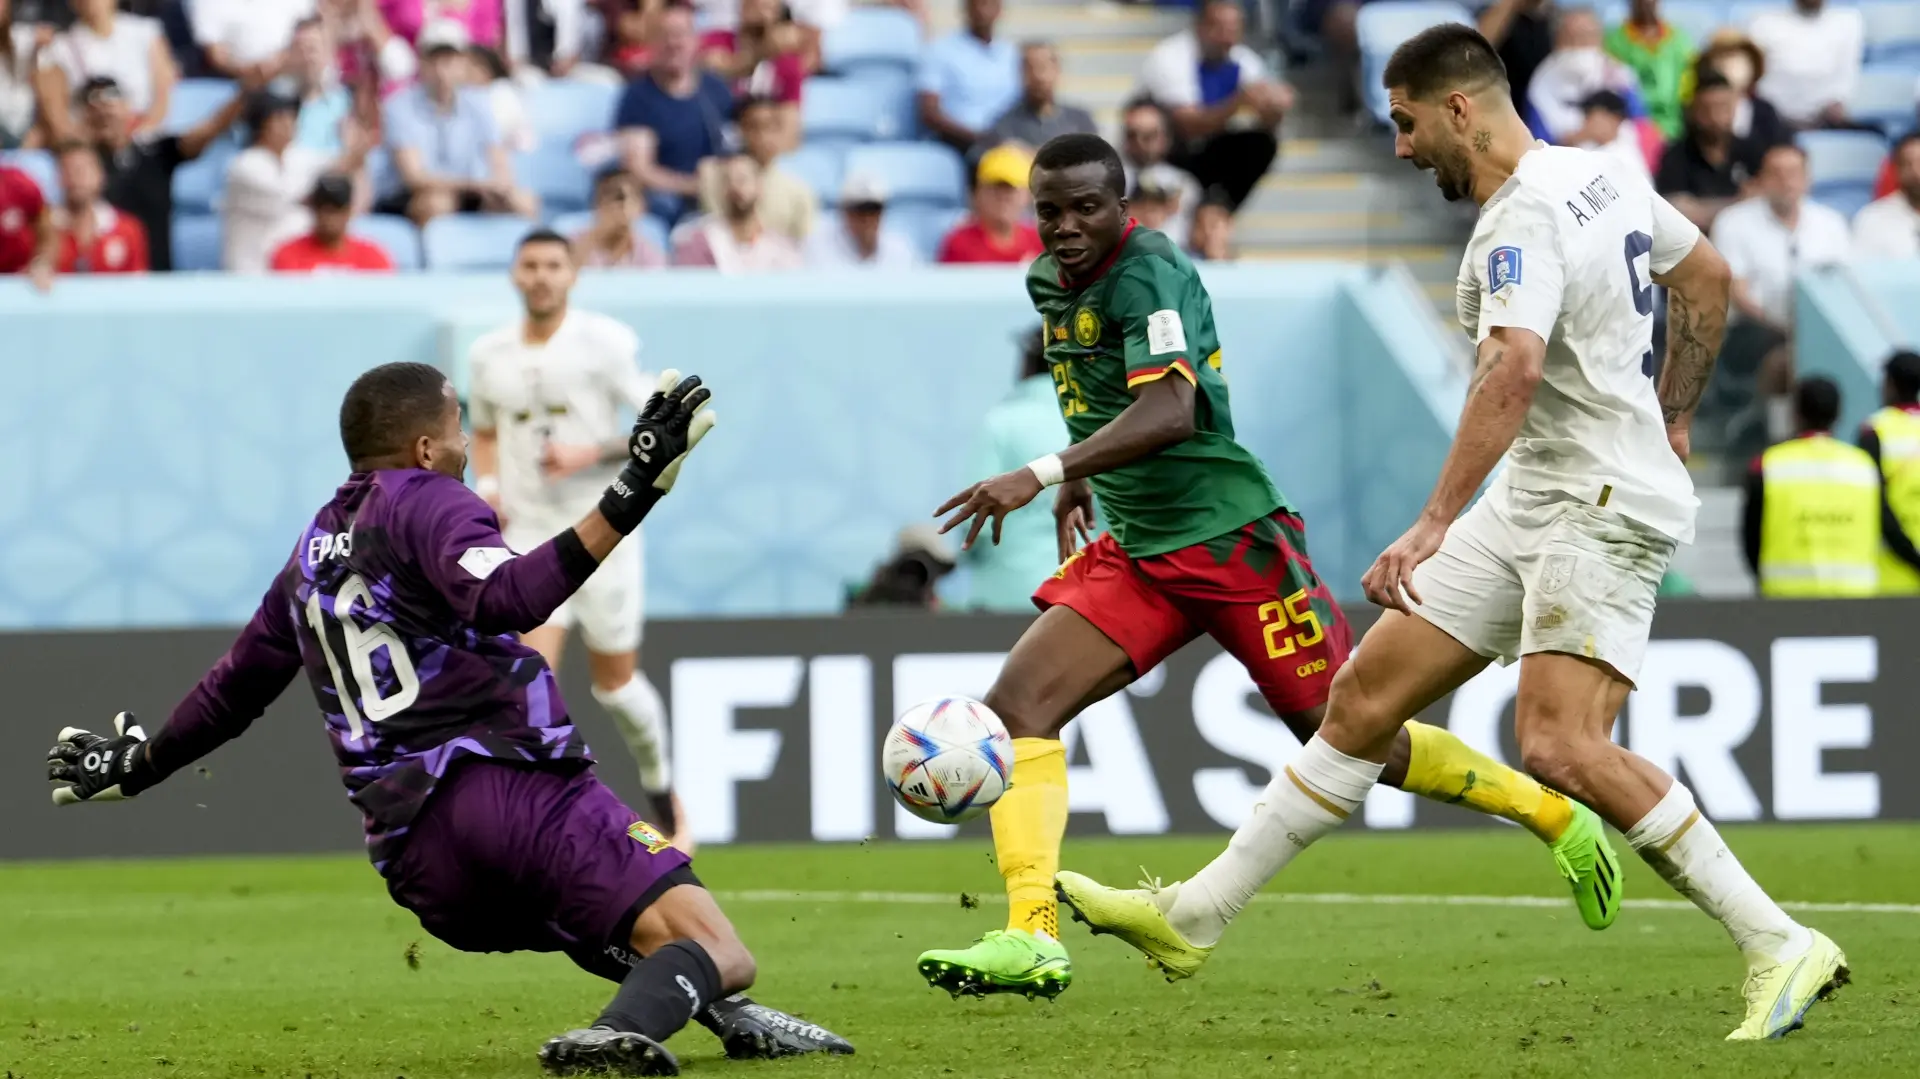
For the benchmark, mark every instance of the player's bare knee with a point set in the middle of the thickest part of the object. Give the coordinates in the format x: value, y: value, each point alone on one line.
x: 1555, y: 760
x: 734, y: 962
x: 1019, y: 713
x: 1355, y: 716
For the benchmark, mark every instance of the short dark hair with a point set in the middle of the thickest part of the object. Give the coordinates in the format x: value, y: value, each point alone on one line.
x: 751, y: 102
x: 1444, y: 58
x: 607, y: 177
x: 1200, y: 9
x: 1791, y: 147
x: 387, y: 408
x: 1066, y: 151
x: 1817, y: 402
x: 543, y: 236
x: 1711, y: 80
x: 1903, y: 374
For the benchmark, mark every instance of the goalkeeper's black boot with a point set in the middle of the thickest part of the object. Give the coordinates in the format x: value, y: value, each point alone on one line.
x: 752, y: 1031
x: 605, y: 1051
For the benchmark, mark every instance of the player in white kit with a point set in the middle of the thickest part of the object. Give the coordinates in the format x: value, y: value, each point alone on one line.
x: 1557, y: 565
x: 552, y: 397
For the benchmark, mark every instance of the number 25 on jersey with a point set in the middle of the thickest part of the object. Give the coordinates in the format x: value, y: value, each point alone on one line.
x: 338, y: 632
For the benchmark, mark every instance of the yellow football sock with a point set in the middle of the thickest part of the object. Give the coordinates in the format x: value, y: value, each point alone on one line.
x: 1028, y: 822
x: 1446, y: 769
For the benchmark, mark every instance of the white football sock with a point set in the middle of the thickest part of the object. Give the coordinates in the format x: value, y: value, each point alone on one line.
x: 1306, y: 800
x: 1686, y: 850
x: 641, y: 715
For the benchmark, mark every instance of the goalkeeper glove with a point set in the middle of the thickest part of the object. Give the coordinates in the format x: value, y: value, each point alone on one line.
x: 671, y: 424
x: 87, y: 767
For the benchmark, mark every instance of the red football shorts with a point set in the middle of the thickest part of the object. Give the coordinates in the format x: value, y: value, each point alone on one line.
x: 1252, y: 590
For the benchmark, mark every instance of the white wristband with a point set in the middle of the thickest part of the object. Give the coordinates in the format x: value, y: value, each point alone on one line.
x: 1048, y: 470
x: 487, y: 487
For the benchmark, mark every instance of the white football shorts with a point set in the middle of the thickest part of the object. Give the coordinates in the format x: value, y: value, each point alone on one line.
x: 610, y: 609
x: 1534, y: 571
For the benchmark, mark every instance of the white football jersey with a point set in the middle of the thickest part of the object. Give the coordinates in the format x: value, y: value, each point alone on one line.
x: 1567, y: 249
x: 583, y: 386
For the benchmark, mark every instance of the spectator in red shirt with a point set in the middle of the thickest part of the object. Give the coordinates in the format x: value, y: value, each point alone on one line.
x: 766, y: 56
x: 328, y: 247
x: 998, y: 230
x: 95, y: 237
x: 27, y: 235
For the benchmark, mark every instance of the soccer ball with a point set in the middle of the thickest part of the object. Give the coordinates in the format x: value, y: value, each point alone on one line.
x: 947, y: 760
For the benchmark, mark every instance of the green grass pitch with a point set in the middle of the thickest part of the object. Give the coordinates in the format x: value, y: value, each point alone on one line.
x: 302, y: 967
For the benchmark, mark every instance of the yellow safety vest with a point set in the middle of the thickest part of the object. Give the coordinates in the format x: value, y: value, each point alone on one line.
x: 1899, y: 432
x: 1820, y: 533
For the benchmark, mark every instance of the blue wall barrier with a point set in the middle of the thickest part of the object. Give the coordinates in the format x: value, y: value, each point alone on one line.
x: 166, y: 439
x: 1848, y: 319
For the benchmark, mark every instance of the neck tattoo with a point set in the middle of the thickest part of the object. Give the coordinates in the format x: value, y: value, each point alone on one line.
x: 1483, y: 140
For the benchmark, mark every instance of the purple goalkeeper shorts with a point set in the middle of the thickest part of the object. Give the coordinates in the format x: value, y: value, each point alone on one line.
x: 507, y: 857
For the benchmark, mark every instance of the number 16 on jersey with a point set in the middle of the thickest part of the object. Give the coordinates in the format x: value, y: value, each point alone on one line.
x: 339, y: 632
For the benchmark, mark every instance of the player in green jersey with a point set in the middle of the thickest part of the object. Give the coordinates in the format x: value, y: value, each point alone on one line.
x: 1200, y: 541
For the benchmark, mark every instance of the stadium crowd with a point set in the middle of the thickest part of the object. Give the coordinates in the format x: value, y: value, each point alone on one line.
x: 298, y: 135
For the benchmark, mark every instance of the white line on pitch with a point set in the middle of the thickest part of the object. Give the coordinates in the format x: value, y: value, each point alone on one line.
x: 1338, y: 899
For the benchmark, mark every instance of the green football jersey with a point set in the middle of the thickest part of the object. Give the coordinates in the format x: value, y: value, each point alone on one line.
x: 1147, y: 316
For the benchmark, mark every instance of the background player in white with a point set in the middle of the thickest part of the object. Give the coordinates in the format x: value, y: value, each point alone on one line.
x: 1557, y: 565
x: 549, y: 395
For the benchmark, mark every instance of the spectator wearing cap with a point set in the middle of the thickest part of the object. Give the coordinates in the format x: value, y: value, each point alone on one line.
x: 95, y: 238
x: 612, y: 240
x: 139, y: 171
x: 733, y: 239
x: 20, y: 45
x: 29, y: 242
x: 445, y: 144
x: 329, y: 246
x: 1735, y: 57
x: 1037, y: 117
x: 1814, y: 51
x: 1146, y: 140
x: 1577, y: 68
x: 1225, y: 104
x: 312, y: 77
x: 268, y: 183
x: 103, y: 42
x: 1709, y: 168
x: 1889, y: 227
x: 1212, y: 236
x: 479, y: 21
x: 1604, y: 128
x: 786, y: 202
x: 235, y: 35
x: 921, y: 556
x: 673, y: 116
x: 968, y: 79
x: 860, y: 237
x: 998, y: 229
x: 1026, y: 421
x: 1156, y: 203
x: 1661, y: 58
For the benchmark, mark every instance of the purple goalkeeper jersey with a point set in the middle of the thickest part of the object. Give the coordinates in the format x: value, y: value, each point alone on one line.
x: 399, y: 602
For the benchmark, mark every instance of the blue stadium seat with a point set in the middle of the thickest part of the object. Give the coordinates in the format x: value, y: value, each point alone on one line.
x: 472, y: 241
x: 1842, y: 157
x: 820, y: 167
x: 1847, y: 198
x: 1697, y: 19
x: 552, y: 172
x: 198, y: 183
x: 194, y: 100
x: 1893, y: 30
x: 869, y: 38
x: 1742, y: 14
x: 40, y: 165
x: 864, y: 109
x: 915, y: 173
x: 1382, y: 27
x: 196, y: 242
x: 926, y: 226
x: 562, y: 110
x: 569, y: 224
x: 1885, y: 96
x: 395, y: 234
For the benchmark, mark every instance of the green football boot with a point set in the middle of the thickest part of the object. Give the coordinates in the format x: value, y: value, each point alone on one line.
x: 1003, y: 961
x: 1587, y: 860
